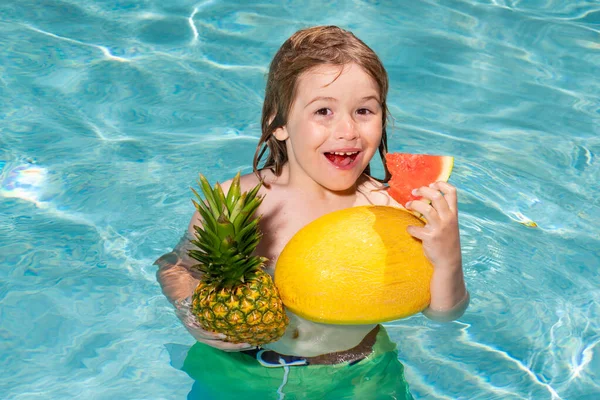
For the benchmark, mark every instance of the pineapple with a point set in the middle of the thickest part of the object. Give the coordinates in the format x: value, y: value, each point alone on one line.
x: 235, y: 296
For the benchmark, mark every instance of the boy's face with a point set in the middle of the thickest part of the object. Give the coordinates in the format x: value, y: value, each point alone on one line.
x: 334, y: 126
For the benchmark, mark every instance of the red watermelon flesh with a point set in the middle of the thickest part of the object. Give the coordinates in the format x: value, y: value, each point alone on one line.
x: 411, y: 171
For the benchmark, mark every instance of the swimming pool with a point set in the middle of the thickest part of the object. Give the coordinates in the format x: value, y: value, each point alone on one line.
x: 111, y: 108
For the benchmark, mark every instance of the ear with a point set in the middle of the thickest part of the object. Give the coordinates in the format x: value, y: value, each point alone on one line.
x: 281, y: 133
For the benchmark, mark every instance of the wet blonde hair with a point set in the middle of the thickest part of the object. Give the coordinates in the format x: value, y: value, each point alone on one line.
x: 304, y: 50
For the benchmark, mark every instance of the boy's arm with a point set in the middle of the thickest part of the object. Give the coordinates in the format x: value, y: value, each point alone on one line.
x: 175, y: 276
x: 441, y: 243
x: 450, y: 297
x: 178, y: 282
x: 449, y: 315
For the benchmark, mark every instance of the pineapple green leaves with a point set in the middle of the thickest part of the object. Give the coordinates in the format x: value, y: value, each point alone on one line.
x: 229, y: 233
x: 234, y: 296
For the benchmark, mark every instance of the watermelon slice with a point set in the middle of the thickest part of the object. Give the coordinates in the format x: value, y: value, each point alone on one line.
x: 411, y: 171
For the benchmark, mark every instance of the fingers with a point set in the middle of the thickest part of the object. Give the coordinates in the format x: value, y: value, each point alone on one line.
x: 192, y: 325
x: 213, y: 339
x: 424, y: 209
x: 203, y: 334
x: 438, y: 203
x: 189, y: 320
x: 449, y: 193
x: 216, y: 340
x: 439, y: 197
x: 416, y: 232
x: 237, y: 346
x: 435, y: 196
x: 226, y: 346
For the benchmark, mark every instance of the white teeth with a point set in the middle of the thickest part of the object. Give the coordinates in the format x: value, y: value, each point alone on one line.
x: 341, y: 153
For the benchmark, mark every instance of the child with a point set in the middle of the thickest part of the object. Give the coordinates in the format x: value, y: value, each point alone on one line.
x: 324, y: 118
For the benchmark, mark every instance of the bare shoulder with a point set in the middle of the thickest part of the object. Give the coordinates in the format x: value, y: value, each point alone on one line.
x: 249, y: 181
x: 376, y: 192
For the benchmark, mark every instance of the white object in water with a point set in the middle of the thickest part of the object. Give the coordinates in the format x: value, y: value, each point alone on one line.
x: 25, y: 182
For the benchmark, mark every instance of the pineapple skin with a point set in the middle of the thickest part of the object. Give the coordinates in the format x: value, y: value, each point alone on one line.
x: 251, y: 312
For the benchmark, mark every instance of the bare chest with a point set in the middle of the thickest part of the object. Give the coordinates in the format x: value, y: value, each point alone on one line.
x: 282, y: 219
x: 279, y: 224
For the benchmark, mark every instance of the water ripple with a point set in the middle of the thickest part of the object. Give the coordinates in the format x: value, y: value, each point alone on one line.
x: 111, y: 109
x: 105, y: 51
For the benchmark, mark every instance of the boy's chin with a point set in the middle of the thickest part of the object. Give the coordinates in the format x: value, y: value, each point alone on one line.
x: 340, y: 185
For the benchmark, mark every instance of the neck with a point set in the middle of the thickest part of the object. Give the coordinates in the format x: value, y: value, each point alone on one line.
x: 303, y: 185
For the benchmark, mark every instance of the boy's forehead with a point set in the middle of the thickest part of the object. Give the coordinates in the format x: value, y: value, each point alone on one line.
x: 318, y: 77
x: 322, y: 77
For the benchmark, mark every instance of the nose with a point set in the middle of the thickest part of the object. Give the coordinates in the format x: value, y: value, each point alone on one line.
x: 346, y: 128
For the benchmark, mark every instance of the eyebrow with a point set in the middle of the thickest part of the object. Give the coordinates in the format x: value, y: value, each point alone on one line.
x: 320, y: 98
x: 335, y: 100
x: 376, y: 98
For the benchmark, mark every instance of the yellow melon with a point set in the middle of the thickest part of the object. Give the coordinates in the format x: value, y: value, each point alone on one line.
x: 355, y: 266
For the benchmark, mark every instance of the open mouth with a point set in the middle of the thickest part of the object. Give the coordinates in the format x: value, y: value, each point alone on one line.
x: 341, y: 158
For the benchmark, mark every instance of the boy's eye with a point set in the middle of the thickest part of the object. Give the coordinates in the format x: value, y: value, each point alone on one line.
x: 323, y: 111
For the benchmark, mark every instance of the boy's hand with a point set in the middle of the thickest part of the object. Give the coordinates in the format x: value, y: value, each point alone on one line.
x: 440, y: 236
x: 183, y: 311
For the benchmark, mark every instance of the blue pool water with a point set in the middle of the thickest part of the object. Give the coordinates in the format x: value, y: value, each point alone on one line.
x: 111, y: 108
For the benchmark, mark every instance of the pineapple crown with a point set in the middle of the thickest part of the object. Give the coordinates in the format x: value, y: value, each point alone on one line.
x: 229, y: 235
